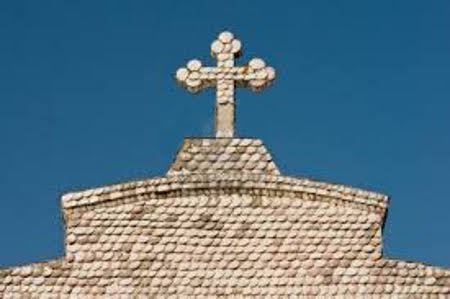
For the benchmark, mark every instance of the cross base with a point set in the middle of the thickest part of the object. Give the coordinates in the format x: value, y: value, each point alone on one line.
x: 224, y: 120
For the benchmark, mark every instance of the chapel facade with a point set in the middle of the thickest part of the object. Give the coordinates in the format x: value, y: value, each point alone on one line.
x: 224, y: 222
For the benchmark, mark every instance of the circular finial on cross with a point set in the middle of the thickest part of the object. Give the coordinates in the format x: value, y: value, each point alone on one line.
x: 226, y: 37
x: 256, y: 63
x: 182, y: 74
x: 194, y: 65
x: 226, y: 44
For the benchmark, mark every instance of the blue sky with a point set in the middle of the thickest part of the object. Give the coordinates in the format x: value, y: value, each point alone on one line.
x: 362, y: 98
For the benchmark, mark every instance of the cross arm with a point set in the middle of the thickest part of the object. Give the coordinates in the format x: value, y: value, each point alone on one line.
x: 194, y: 77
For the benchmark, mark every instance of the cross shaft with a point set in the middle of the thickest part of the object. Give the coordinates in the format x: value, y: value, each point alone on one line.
x: 194, y: 77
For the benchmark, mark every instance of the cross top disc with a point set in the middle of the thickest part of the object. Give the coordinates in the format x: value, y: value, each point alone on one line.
x: 225, y: 76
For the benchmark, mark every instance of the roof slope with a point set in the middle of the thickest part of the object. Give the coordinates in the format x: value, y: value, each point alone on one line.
x: 220, y: 234
x: 218, y: 242
x: 223, y: 155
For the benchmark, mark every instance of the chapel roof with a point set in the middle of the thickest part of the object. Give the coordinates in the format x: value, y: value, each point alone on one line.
x: 222, y: 222
x: 213, y: 239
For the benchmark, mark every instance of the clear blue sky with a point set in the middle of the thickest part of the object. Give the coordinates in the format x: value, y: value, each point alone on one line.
x: 362, y: 98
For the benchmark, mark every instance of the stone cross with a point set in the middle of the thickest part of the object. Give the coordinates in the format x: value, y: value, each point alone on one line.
x: 195, y: 77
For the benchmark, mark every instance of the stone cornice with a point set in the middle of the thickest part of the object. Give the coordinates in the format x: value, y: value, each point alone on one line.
x: 166, y: 185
